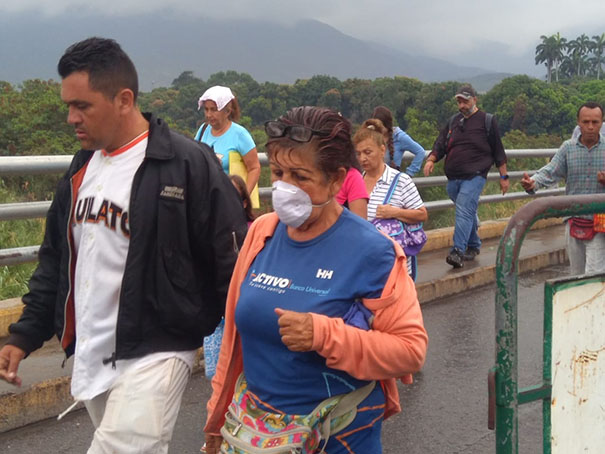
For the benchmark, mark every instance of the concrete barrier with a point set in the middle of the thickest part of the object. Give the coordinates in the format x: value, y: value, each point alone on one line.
x: 466, y: 280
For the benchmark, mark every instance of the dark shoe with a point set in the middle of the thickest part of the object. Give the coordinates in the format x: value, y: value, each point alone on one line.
x: 471, y: 253
x: 455, y: 259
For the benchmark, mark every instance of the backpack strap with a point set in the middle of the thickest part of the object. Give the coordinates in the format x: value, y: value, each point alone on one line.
x: 387, y: 197
x: 204, y: 127
x: 450, y: 128
x: 489, y: 120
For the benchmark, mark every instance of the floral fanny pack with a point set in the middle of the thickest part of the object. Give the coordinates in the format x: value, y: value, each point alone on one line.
x: 252, y: 430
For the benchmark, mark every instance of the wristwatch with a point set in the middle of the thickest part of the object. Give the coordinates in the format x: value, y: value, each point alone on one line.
x: 504, y: 177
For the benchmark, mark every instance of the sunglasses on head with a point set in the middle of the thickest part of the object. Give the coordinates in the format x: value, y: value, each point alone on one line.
x: 298, y: 133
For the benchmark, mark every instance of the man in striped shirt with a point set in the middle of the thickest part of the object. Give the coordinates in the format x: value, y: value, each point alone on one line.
x: 581, y: 163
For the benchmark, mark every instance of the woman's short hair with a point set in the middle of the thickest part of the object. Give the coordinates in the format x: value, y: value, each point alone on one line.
x: 332, y: 145
x: 371, y: 129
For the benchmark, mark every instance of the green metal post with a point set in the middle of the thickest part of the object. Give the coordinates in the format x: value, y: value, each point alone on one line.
x: 507, y: 260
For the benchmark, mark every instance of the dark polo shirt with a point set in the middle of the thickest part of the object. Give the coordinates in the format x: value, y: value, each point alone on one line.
x: 469, y: 152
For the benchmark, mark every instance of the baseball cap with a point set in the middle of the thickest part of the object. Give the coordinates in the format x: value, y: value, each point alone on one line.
x: 465, y: 91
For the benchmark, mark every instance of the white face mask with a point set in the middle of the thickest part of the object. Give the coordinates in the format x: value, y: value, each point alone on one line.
x: 292, y: 205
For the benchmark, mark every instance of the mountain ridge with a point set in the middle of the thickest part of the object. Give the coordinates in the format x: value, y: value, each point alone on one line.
x: 163, y: 46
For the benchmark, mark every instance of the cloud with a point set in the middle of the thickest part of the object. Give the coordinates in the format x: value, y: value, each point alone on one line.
x: 438, y: 27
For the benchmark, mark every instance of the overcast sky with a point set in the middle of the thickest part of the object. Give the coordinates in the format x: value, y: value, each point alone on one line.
x: 440, y: 28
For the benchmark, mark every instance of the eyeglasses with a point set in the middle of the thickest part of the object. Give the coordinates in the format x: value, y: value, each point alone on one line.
x: 298, y: 133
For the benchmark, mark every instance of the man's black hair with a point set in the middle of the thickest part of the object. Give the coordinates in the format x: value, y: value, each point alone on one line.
x: 591, y: 105
x: 109, y: 68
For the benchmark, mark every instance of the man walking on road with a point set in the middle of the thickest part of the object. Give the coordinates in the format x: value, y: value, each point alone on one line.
x: 470, y: 143
x: 581, y: 163
x: 140, y: 243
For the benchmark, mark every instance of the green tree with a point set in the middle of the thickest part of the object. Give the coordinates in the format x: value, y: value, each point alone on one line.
x: 560, y: 45
x: 308, y: 91
x: 598, y: 49
x: 532, y: 106
x: 579, y: 49
x: 546, y: 52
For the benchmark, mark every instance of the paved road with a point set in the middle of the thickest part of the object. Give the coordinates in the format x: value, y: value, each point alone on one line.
x: 445, y: 410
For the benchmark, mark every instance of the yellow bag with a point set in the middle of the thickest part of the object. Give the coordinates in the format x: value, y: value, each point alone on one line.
x: 237, y: 167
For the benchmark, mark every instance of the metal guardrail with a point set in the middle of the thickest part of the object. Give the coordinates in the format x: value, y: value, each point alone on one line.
x: 40, y: 165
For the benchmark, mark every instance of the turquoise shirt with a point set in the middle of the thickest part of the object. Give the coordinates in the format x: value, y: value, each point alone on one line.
x: 236, y: 138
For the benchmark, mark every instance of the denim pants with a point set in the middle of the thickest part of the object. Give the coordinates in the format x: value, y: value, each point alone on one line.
x: 465, y: 194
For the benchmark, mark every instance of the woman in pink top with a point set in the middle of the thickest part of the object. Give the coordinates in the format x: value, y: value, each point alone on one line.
x: 353, y: 193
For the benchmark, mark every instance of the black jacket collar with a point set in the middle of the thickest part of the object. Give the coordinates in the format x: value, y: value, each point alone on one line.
x: 160, y: 143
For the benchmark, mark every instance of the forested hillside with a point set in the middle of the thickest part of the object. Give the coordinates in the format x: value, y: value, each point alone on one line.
x: 32, y: 116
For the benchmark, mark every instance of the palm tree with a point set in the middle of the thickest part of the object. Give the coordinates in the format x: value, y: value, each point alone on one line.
x: 580, y: 47
x: 560, y: 46
x: 546, y: 53
x: 598, y: 49
x: 567, y: 67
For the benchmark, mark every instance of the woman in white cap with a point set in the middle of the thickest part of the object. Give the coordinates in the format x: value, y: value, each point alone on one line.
x: 224, y: 135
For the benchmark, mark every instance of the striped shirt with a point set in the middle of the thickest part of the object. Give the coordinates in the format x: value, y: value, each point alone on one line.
x: 577, y: 165
x: 405, y: 194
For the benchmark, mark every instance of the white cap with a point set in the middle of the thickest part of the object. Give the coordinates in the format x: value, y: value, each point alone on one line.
x: 220, y: 95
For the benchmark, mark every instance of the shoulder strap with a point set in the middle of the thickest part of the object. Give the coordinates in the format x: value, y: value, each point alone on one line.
x: 391, y: 190
x: 204, y: 126
x: 343, y: 413
x: 488, y: 123
x: 489, y: 119
x: 450, y: 124
x: 450, y: 127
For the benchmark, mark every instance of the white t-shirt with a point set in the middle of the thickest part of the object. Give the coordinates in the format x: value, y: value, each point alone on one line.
x: 101, y: 237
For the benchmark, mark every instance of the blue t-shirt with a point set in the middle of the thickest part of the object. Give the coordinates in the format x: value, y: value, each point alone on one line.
x: 236, y: 138
x: 324, y: 275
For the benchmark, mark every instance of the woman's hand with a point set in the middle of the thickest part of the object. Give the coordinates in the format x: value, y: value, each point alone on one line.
x: 213, y: 444
x: 386, y: 211
x: 296, y: 329
x: 409, y: 216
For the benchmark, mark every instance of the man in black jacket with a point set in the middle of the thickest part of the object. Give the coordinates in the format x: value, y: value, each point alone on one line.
x: 140, y: 243
x: 471, y: 144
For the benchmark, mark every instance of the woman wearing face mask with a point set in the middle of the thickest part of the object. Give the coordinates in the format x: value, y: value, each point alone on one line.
x: 405, y: 203
x: 319, y: 304
x: 224, y: 135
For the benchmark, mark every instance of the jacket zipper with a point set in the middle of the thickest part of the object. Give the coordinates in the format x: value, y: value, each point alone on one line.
x: 135, y: 181
x: 69, y: 277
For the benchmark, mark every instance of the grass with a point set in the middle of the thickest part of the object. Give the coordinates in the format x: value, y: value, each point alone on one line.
x: 13, y: 234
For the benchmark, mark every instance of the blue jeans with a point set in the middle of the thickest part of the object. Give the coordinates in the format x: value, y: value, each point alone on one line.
x: 465, y: 194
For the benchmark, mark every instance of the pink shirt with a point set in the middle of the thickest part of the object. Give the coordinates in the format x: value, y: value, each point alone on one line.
x: 353, y: 188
